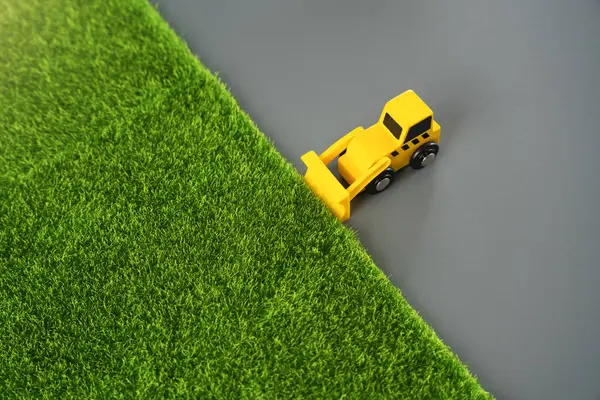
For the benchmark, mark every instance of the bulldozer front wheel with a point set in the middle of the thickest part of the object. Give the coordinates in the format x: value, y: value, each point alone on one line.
x: 381, y: 182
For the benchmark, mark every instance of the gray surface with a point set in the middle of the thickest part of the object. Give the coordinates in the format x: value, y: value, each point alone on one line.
x: 495, y: 242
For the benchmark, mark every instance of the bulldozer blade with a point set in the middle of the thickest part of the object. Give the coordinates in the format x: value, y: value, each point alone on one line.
x: 326, y: 186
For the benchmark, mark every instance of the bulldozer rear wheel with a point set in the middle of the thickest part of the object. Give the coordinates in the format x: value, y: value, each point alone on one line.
x: 424, y: 155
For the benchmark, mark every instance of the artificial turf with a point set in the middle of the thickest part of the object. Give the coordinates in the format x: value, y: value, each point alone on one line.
x: 154, y: 244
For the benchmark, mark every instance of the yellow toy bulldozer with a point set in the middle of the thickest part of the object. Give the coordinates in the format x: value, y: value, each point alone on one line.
x: 405, y: 135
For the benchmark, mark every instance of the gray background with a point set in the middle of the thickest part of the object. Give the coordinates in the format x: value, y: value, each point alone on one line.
x: 494, y: 243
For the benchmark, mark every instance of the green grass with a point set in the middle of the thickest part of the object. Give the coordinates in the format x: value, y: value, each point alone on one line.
x: 154, y: 244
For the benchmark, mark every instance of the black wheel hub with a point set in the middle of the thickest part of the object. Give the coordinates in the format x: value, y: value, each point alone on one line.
x: 424, y: 155
x: 381, y: 182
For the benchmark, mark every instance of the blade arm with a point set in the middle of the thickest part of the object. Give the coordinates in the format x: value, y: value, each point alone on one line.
x: 364, y: 180
x: 335, y: 149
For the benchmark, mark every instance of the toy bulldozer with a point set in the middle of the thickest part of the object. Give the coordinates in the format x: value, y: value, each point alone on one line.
x: 405, y: 135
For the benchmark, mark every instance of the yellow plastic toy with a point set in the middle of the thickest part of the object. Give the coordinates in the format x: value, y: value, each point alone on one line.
x: 405, y: 135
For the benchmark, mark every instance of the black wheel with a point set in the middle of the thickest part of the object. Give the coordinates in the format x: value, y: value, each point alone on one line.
x: 381, y: 181
x: 424, y: 155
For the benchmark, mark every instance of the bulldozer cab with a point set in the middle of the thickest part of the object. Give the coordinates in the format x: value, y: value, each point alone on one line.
x: 406, y: 116
x: 403, y: 119
x: 410, y: 121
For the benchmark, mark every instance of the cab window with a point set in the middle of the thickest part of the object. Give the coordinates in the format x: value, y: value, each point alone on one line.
x: 418, y: 129
x: 392, y: 125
